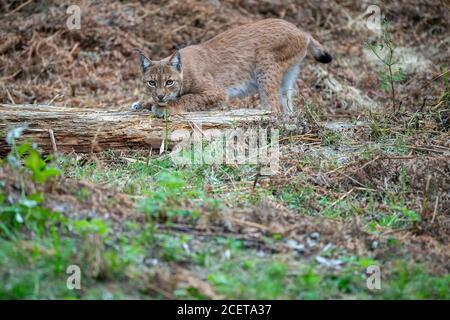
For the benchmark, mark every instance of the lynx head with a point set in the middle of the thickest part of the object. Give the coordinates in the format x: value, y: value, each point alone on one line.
x: 163, y: 79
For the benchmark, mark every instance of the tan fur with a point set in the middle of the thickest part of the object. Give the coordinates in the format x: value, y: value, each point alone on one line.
x: 260, y: 57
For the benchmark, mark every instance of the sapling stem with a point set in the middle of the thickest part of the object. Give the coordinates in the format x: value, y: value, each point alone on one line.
x: 166, y: 138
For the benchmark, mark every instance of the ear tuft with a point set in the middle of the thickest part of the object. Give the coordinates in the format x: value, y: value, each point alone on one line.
x: 143, y: 60
x: 175, y: 60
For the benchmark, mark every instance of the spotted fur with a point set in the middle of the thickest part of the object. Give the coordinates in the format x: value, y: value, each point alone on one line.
x: 262, y: 57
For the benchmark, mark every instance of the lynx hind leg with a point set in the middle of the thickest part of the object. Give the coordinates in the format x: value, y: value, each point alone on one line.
x: 287, y: 88
x: 269, y: 82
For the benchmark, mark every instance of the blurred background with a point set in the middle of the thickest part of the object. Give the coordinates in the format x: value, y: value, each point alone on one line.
x: 43, y: 61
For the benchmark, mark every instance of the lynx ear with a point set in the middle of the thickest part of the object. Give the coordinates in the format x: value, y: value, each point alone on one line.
x: 175, y: 60
x: 143, y: 60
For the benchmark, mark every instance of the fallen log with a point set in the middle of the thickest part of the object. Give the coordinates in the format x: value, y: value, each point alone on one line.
x: 82, y: 130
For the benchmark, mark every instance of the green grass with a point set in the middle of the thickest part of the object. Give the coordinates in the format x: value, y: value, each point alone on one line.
x: 240, y: 275
x: 121, y: 260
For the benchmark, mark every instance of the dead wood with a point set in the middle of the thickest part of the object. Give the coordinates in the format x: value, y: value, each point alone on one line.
x: 92, y: 130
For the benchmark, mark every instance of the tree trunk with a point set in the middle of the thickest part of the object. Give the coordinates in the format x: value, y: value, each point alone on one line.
x: 82, y: 130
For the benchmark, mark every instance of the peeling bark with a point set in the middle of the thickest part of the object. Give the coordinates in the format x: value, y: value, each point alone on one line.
x: 84, y: 130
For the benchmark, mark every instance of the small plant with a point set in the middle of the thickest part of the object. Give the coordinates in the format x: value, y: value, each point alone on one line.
x: 441, y: 108
x: 445, y: 97
x: 166, y: 130
x: 25, y: 157
x: 82, y: 194
x: 331, y: 137
x: 385, y: 52
x: 166, y: 200
x: 94, y: 226
x: 27, y: 211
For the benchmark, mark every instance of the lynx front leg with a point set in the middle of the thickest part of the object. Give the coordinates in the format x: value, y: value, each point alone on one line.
x: 203, y: 101
x: 137, y: 106
x: 158, y: 111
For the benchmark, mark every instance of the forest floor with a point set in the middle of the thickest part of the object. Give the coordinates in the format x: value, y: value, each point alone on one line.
x: 360, y: 183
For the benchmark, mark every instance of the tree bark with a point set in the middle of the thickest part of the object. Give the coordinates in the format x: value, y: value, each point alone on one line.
x: 83, y: 130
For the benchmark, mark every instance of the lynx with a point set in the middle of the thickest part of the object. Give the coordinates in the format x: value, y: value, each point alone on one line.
x: 262, y: 57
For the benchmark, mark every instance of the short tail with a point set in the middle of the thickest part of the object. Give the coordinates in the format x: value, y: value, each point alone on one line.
x: 318, y: 51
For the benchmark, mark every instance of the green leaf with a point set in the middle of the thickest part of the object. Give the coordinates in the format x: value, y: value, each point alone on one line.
x: 38, y: 169
x: 95, y: 226
x: 51, y: 172
x: 23, y: 148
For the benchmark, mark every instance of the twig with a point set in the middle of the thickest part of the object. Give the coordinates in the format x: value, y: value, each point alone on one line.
x: 94, y: 141
x: 252, y: 191
x: 18, y: 8
x: 435, y: 78
x: 192, y: 124
x: 162, y: 147
x: 300, y: 137
x: 435, y: 208
x: 54, y: 98
x: 396, y: 230
x: 52, y: 139
x: 353, y: 179
x: 10, y: 97
x: 133, y: 160
x: 369, y: 162
x: 11, y: 76
x: 398, y: 158
x: 425, y: 149
x: 250, y: 224
x: 166, y: 131
x: 256, y: 180
x: 366, y: 189
x: 339, y: 200
x: 161, y: 291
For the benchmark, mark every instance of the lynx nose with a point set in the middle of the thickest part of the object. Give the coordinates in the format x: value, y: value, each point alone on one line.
x: 160, y: 98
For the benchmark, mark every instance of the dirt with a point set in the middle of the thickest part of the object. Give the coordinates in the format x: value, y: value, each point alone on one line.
x: 79, y: 199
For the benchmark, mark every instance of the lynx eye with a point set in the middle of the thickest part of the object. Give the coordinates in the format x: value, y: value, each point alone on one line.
x: 151, y: 83
x: 169, y: 83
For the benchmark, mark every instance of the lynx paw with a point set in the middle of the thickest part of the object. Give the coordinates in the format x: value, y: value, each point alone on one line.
x: 139, y: 106
x: 136, y: 106
x: 158, y: 111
